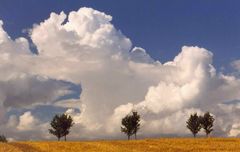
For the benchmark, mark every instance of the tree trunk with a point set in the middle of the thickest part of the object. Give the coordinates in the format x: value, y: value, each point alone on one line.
x: 128, y: 137
x: 65, y: 138
x: 58, y: 138
x: 194, y: 135
x: 135, y: 136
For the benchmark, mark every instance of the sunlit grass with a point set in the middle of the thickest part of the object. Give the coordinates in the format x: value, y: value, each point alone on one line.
x: 147, y: 145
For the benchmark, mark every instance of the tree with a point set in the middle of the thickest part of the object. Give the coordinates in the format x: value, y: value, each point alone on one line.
x: 127, y: 126
x: 135, y: 123
x: 131, y: 124
x: 56, y: 127
x: 66, y: 124
x: 3, y: 138
x: 61, y: 125
x: 207, y: 123
x: 194, y: 124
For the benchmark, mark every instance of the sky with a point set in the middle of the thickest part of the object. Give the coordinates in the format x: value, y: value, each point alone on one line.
x: 161, y: 27
x: 99, y: 60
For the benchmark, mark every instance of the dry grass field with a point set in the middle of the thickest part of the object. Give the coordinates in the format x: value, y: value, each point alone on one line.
x: 147, y: 145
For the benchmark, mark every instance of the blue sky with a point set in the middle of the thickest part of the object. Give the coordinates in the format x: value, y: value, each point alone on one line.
x: 161, y: 27
x: 84, y: 67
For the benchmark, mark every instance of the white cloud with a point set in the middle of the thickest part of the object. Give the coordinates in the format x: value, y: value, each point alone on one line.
x: 83, y: 47
x: 172, y: 124
x: 139, y: 55
x: 27, y: 122
x: 236, y: 64
x: 87, y: 32
x: 193, y: 70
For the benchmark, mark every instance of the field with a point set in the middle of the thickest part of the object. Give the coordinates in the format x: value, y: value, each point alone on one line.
x: 147, y: 145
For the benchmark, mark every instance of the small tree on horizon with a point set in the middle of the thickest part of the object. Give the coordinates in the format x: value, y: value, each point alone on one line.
x: 207, y: 123
x: 61, y: 125
x: 131, y: 124
x: 127, y: 126
x: 136, y: 122
x: 3, y: 139
x: 194, y: 124
x: 56, y: 127
x: 66, y: 123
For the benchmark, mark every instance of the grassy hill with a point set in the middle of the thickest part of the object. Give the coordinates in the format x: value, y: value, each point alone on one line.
x: 147, y: 145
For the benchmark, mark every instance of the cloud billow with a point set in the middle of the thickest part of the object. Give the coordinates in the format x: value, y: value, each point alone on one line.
x: 84, y: 48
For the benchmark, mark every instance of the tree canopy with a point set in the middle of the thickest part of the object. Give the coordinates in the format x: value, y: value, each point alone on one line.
x: 136, y: 122
x: 207, y: 123
x: 61, y: 125
x: 194, y: 124
x: 3, y: 138
x: 131, y: 124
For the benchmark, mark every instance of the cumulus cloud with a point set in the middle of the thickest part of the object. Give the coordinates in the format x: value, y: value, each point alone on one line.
x: 84, y: 48
x: 236, y: 64
x: 27, y: 122
x: 85, y: 33
x: 193, y: 70
x: 27, y: 90
x: 139, y: 55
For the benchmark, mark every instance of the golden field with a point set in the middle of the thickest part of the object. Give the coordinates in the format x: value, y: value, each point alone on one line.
x: 147, y: 145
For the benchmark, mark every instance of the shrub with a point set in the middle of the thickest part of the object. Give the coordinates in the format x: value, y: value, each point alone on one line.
x: 3, y: 138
